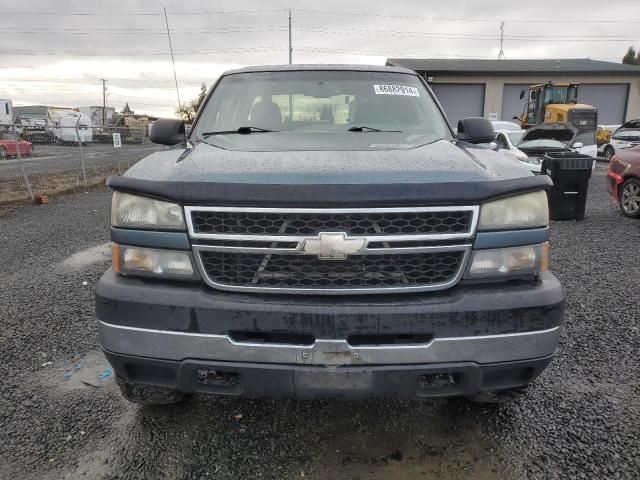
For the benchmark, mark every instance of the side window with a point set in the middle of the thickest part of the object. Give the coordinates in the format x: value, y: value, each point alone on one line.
x: 586, y: 138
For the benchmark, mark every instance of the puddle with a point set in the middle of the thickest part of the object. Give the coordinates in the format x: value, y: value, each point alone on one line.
x: 87, y: 373
x: 101, y: 253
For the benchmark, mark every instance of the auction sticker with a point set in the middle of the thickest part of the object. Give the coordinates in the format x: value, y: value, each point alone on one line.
x: 396, y: 90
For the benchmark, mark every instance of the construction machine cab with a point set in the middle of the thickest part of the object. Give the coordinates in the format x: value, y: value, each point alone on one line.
x: 543, y: 99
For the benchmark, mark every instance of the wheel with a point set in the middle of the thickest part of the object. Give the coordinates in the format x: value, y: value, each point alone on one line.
x: 30, y: 151
x: 3, y: 152
x: 147, y: 394
x: 630, y: 198
x: 499, y: 396
x: 608, y: 153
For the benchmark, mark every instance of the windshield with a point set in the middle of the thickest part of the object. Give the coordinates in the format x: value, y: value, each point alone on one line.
x: 627, y: 135
x: 543, y: 143
x: 515, y: 137
x: 320, y: 110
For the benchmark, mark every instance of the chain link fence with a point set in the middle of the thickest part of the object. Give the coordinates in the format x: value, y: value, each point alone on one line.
x: 36, y: 161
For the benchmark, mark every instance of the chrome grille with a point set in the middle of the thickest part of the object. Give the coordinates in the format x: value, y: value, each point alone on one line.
x: 312, y: 223
x: 362, y: 271
x: 331, y: 251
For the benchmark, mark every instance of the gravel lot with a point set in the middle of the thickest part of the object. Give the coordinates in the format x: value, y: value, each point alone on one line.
x: 580, y: 420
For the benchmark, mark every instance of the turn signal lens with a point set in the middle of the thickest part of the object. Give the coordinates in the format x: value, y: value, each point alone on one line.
x: 150, y: 262
x: 503, y: 262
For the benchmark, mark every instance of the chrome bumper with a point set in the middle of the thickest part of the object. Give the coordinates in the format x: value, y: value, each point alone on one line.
x: 178, y: 346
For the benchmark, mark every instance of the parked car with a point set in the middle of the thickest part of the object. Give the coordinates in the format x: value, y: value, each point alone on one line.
x: 508, y: 140
x: 627, y: 136
x: 352, y: 248
x: 556, y: 137
x: 504, y: 125
x: 9, y: 147
x: 624, y: 180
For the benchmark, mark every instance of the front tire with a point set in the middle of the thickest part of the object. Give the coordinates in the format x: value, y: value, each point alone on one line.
x: 147, y: 394
x: 608, y: 153
x: 630, y: 198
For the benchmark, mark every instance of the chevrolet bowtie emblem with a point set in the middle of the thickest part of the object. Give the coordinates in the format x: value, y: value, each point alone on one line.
x: 332, y: 246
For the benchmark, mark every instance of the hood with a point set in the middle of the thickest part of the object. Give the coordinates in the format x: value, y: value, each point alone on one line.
x: 551, y: 131
x: 442, y: 171
x: 441, y: 161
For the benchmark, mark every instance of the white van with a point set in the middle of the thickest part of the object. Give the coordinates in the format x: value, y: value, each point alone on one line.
x: 63, y: 127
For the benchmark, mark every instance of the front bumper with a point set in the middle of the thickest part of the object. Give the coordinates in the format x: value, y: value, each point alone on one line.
x: 470, y: 338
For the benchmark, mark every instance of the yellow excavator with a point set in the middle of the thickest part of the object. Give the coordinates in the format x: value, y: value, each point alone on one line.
x: 556, y: 102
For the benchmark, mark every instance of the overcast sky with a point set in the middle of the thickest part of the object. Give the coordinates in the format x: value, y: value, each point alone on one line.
x: 50, y: 58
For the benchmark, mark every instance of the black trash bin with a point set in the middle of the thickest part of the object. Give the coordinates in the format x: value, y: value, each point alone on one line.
x: 570, y: 173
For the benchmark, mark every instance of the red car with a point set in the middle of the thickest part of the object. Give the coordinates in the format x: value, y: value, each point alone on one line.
x: 9, y: 148
x: 624, y: 181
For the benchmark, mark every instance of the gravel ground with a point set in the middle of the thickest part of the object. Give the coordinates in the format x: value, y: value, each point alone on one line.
x: 581, y: 419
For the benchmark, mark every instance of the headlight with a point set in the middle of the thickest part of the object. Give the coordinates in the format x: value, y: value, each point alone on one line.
x: 520, y: 211
x: 148, y: 262
x: 134, y: 211
x: 505, y: 262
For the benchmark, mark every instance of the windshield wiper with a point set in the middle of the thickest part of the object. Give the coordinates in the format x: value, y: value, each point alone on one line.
x: 240, y: 131
x: 364, y: 128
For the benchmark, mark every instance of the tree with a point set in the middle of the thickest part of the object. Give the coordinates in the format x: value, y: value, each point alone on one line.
x: 631, y: 57
x: 187, y: 111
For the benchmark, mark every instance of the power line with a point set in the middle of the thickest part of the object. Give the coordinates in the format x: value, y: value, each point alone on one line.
x: 133, y: 53
x: 145, y: 14
x: 457, y: 19
x: 464, y: 36
x: 321, y: 12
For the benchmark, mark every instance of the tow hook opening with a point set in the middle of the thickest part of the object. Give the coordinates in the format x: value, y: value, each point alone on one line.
x: 439, y: 381
x: 217, y: 378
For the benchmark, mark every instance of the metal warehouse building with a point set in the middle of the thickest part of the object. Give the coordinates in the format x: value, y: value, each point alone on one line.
x: 491, y: 88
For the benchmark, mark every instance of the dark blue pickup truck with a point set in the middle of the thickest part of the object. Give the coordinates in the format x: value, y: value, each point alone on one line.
x: 322, y: 231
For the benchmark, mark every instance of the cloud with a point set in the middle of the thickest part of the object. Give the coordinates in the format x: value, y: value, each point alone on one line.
x: 59, y: 59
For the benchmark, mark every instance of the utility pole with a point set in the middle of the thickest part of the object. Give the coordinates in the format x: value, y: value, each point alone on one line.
x: 104, y: 101
x: 290, y: 46
x: 501, y: 54
x: 175, y: 77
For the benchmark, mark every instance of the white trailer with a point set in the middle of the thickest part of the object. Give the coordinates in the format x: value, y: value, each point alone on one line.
x: 63, y: 127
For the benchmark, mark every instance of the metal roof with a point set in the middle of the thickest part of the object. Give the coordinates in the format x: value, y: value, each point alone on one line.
x: 320, y: 67
x: 435, y: 66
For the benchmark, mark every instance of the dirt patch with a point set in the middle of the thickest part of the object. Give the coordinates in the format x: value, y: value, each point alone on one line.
x: 14, y: 190
x: 442, y: 443
x: 100, y: 253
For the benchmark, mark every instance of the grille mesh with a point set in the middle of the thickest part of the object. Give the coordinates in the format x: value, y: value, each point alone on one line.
x: 308, y: 272
x: 393, y: 223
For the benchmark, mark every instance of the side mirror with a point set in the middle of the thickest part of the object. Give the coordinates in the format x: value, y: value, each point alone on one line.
x: 521, y: 94
x: 578, y: 145
x: 167, y: 131
x: 475, y: 130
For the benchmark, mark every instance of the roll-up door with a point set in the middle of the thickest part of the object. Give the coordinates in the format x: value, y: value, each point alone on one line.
x: 512, y: 104
x: 460, y: 100
x: 609, y: 98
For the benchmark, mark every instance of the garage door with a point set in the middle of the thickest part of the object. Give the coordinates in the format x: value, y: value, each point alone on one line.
x: 512, y: 105
x: 460, y: 100
x: 609, y: 98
